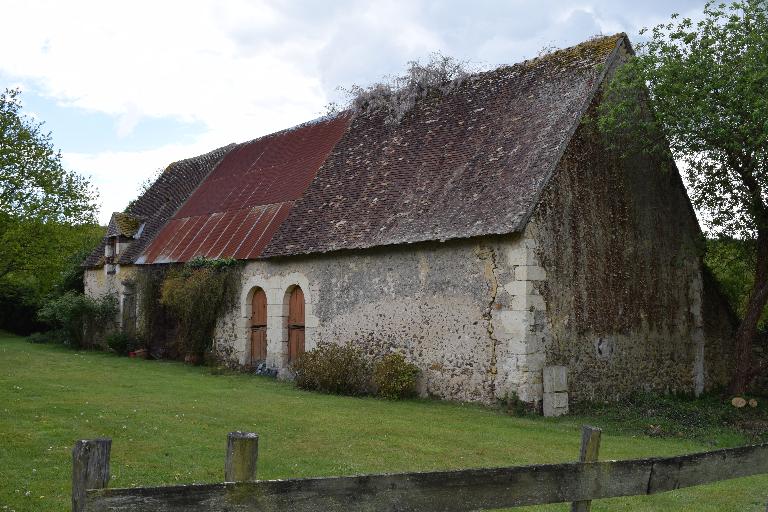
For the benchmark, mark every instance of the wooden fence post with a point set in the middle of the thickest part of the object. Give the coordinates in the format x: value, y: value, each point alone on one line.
x: 590, y: 448
x: 90, y: 468
x: 242, y: 455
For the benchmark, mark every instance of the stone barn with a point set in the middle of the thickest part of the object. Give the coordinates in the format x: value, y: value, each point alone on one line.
x: 490, y: 235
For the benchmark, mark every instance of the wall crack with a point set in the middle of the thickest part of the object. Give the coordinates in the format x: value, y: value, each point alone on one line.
x: 487, y: 256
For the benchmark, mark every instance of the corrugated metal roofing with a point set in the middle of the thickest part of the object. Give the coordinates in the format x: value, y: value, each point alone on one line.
x: 166, y: 195
x: 244, y: 200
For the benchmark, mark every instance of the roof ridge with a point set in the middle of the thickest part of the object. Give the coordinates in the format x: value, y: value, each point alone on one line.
x: 330, y: 116
x: 594, y: 42
x: 192, y: 158
x: 619, y: 40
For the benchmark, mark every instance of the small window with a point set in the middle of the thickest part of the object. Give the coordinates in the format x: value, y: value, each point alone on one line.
x: 110, y: 255
x: 110, y: 250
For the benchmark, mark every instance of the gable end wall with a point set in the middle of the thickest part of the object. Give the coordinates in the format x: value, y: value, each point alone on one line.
x: 627, y: 306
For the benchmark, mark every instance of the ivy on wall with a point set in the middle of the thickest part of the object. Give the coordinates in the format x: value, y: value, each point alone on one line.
x: 190, y: 298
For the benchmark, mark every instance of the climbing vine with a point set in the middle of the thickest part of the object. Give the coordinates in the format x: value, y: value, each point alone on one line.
x: 153, y: 317
x: 197, y: 294
x: 397, y: 95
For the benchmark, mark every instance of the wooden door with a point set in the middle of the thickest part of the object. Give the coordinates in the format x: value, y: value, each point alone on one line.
x: 129, y: 313
x: 259, y: 326
x: 295, y: 324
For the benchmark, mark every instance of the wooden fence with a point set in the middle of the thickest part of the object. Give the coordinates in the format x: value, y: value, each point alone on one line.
x: 445, y: 491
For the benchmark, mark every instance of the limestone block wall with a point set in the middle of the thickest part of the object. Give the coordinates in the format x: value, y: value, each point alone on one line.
x: 519, y: 323
x: 466, y: 312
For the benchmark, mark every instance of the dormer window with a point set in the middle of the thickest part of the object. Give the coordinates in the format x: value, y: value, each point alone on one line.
x: 110, y: 255
x: 110, y: 249
x: 123, y: 229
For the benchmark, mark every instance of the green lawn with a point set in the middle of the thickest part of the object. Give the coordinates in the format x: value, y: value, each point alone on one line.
x: 169, y: 423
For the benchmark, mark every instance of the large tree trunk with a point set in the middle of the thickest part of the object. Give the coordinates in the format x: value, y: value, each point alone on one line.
x: 748, y: 328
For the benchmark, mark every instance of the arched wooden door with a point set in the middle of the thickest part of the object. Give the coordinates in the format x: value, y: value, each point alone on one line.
x: 258, y: 326
x: 295, y: 324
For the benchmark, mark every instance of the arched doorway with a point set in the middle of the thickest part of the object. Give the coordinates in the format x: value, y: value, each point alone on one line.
x: 295, y: 324
x: 258, y: 326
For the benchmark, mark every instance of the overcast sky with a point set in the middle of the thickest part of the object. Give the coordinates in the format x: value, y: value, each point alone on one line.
x: 128, y: 87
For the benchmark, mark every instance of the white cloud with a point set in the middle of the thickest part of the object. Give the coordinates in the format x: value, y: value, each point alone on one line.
x: 242, y: 68
x: 159, y: 59
x: 118, y: 174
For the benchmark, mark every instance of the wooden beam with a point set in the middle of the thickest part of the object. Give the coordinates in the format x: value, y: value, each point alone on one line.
x: 241, y: 458
x: 90, y: 469
x: 447, y: 491
x: 590, y: 450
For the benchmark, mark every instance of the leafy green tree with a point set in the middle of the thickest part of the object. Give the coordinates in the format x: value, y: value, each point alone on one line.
x: 732, y: 262
x: 76, y: 315
x: 703, y: 88
x: 44, y: 208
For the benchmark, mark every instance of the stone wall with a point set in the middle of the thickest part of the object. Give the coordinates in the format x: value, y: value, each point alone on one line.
x: 627, y: 306
x: 98, y: 282
x: 465, y: 312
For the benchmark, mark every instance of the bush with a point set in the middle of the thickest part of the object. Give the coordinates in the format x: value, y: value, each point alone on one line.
x: 512, y: 404
x: 394, y: 377
x: 19, y: 302
x: 55, y: 336
x: 122, y: 343
x: 397, y: 95
x: 75, y: 314
x: 197, y: 295
x: 332, y: 368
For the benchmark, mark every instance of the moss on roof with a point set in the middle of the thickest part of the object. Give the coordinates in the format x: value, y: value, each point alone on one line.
x: 126, y: 224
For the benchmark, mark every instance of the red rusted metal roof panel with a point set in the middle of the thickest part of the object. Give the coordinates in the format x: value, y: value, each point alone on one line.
x: 273, y: 169
x: 241, y: 204
x: 258, y: 238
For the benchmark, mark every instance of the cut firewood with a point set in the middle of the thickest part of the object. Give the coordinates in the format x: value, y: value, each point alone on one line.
x: 738, y: 402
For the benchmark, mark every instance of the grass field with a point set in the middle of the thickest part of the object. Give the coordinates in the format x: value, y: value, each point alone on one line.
x: 169, y: 423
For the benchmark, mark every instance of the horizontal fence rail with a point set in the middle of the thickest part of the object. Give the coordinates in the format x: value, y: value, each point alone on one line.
x: 448, y: 491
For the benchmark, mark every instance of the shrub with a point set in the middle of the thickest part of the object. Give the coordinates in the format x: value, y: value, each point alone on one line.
x: 19, y: 303
x: 157, y: 324
x: 122, y: 342
x: 394, y: 377
x: 55, y: 336
x: 197, y: 294
x: 397, y: 95
x: 75, y: 313
x: 37, y: 338
x: 516, y: 407
x: 332, y: 368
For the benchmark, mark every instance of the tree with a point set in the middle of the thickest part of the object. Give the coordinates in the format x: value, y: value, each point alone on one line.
x: 44, y: 208
x: 732, y: 262
x: 703, y: 88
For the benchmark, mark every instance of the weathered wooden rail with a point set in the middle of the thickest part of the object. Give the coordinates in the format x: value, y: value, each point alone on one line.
x: 445, y: 491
